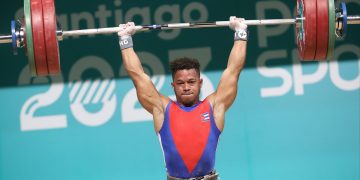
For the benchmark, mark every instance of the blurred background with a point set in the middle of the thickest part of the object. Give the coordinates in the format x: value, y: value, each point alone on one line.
x: 291, y: 120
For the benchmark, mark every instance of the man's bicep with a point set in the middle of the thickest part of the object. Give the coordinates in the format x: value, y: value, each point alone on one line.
x: 147, y: 93
x: 227, y: 88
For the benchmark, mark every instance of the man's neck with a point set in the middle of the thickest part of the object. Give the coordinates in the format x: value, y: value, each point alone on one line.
x: 189, y: 105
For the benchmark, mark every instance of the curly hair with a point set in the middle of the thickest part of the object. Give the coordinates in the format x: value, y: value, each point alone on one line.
x: 184, y: 63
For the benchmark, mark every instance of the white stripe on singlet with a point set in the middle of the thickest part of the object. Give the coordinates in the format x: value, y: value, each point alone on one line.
x: 162, y: 149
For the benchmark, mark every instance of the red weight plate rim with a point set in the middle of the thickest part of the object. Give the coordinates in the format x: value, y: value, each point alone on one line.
x: 52, y: 46
x: 38, y: 37
x: 307, y: 45
x: 322, y: 29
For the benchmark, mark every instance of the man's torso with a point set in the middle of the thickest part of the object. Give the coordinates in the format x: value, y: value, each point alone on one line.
x: 189, y: 139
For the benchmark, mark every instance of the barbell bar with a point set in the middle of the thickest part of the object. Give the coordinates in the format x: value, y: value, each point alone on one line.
x: 110, y: 30
x: 317, y: 23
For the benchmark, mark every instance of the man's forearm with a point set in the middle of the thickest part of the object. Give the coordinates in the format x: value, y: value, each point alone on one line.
x: 237, y: 56
x: 131, y: 62
x: 130, y: 59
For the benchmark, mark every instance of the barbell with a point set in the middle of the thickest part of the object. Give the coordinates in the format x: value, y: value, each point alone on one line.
x: 318, y: 24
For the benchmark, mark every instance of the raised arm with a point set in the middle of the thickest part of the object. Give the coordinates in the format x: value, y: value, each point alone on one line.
x: 226, y: 91
x: 147, y: 94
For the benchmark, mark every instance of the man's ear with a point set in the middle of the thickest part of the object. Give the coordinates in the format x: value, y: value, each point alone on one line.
x: 172, y: 84
x: 201, y: 82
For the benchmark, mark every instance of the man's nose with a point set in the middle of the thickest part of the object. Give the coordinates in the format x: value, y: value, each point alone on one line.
x: 186, y: 87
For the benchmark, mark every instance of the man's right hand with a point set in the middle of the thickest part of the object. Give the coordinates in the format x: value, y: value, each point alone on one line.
x: 237, y: 24
x: 240, y: 28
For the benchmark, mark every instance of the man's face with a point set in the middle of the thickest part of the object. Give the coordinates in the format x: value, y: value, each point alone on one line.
x: 187, y: 85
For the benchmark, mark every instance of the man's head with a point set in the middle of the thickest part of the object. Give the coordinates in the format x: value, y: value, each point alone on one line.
x: 186, y: 80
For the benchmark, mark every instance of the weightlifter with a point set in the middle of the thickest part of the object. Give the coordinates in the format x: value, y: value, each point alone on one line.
x: 188, y: 128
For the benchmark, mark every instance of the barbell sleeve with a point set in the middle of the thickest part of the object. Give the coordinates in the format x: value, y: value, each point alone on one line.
x: 5, y: 39
x: 355, y: 19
